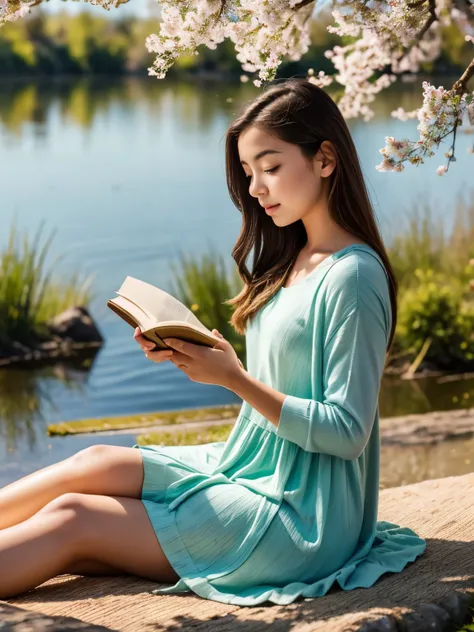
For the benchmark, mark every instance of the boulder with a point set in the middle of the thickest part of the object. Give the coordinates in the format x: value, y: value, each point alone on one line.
x: 76, y: 325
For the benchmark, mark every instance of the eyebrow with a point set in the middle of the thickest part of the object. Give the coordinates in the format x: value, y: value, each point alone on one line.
x: 261, y: 154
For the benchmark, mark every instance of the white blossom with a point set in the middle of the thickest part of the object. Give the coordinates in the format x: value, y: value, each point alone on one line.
x: 386, y: 38
x: 442, y: 112
x: 11, y: 11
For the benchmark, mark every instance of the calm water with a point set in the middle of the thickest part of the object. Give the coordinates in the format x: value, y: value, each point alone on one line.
x: 128, y: 173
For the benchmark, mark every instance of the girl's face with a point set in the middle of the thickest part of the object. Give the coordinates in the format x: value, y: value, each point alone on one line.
x: 279, y: 174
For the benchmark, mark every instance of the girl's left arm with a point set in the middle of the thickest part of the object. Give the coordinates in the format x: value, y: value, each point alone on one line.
x: 358, y: 320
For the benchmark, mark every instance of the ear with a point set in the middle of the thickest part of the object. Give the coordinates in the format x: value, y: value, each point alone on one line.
x: 326, y: 155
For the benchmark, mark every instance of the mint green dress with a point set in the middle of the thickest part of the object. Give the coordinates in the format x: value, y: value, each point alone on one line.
x: 280, y: 513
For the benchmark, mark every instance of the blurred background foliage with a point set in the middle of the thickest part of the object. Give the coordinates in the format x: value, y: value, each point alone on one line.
x: 43, y: 43
x: 434, y: 268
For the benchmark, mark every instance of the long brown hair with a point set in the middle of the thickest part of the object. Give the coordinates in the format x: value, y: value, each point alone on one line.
x: 297, y: 112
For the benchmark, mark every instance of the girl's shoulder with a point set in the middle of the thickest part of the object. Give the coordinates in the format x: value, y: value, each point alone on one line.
x: 355, y: 268
x: 356, y: 283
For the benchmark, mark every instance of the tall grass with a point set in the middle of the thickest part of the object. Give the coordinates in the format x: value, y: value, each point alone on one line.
x: 425, y: 244
x: 203, y: 285
x: 29, y: 296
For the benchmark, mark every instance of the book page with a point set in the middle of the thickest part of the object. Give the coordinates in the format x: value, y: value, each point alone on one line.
x: 132, y: 313
x: 157, y: 303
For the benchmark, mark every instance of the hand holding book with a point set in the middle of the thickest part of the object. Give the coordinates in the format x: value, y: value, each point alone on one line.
x: 149, y: 348
x: 163, y: 325
x: 159, y: 315
x: 219, y: 365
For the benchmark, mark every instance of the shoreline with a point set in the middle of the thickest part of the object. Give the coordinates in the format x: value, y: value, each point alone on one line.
x: 63, y: 348
x: 405, y: 430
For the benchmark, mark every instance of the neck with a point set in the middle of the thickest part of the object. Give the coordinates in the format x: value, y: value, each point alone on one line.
x: 324, y: 235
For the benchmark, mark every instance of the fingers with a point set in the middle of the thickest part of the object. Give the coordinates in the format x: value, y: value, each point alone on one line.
x: 186, y: 348
x: 159, y: 356
x: 142, y: 341
x: 137, y: 334
x: 148, y: 346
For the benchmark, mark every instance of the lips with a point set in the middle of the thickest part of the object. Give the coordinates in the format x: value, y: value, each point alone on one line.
x: 270, y: 207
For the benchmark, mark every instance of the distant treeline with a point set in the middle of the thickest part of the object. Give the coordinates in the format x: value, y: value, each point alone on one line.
x: 63, y: 44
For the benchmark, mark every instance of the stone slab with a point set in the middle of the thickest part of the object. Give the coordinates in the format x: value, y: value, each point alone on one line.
x: 430, y: 594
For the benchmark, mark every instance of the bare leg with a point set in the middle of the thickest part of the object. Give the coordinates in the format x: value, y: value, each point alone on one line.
x: 35, y: 550
x: 100, y: 469
x: 77, y: 527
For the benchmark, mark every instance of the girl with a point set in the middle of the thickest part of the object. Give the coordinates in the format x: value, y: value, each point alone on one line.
x: 287, y: 506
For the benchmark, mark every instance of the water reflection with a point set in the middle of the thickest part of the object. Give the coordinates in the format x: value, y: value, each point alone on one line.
x: 25, y: 394
x: 196, y: 105
x: 406, y: 465
x: 83, y: 101
x: 422, y: 395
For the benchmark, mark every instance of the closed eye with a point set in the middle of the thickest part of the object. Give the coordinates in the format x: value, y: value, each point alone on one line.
x: 273, y: 170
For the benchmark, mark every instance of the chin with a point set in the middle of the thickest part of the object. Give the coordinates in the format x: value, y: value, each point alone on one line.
x: 283, y: 221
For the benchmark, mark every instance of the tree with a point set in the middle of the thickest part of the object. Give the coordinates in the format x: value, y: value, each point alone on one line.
x: 380, y: 40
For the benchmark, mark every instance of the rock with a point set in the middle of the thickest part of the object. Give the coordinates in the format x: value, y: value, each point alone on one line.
x: 71, y: 333
x: 76, y: 324
x: 427, y: 617
x: 16, y: 347
x: 385, y: 624
x: 457, y: 606
x: 427, y: 428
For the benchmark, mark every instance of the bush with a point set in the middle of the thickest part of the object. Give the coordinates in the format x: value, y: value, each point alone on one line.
x: 437, y: 308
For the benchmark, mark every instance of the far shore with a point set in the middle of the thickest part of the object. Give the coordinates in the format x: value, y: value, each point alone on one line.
x: 420, y: 429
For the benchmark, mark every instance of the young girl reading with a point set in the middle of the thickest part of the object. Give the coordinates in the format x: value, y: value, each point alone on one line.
x: 287, y: 506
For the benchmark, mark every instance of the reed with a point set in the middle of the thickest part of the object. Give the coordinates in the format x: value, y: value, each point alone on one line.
x: 29, y: 296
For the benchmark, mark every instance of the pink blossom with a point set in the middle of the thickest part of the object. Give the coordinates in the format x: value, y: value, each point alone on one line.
x: 384, y: 43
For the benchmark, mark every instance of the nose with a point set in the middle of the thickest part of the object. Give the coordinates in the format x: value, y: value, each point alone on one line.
x: 257, y: 188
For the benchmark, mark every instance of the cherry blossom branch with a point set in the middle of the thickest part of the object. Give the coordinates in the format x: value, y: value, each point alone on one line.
x: 461, y: 83
x: 387, y: 38
x: 431, y: 20
x: 442, y: 113
x: 420, y: 35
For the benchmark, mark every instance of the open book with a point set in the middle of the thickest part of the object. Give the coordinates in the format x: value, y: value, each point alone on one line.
x: 159, y: 315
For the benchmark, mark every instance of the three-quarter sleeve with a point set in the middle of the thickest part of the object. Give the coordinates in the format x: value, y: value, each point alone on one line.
x: 357, y: 324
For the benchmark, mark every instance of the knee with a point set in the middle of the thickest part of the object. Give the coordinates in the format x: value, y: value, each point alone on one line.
x: 88, y: 462
x: 92, y: 454
x: 68, y: 509
x: 69, y: 515
x: 70, y: 504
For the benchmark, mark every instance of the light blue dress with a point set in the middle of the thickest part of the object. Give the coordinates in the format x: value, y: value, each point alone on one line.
x: 278, y: 513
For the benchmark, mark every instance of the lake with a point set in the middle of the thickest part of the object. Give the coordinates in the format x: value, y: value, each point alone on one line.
x: 131, y: 171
